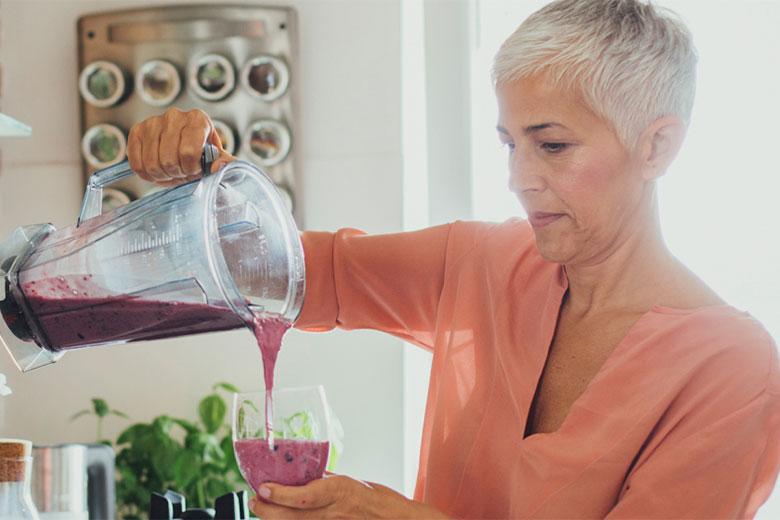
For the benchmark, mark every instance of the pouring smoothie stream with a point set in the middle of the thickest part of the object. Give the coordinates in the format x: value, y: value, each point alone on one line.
x: 269, y: 331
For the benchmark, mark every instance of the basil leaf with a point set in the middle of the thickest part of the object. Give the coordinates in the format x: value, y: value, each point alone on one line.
x: 79, y: 414
x: 133, y: 432
x: 226, y: 386
x: 100, y: 406
x: 212, y: 411
x: 186, y: 468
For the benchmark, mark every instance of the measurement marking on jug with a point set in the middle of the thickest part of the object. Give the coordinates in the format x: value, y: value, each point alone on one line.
x: 149, y: 242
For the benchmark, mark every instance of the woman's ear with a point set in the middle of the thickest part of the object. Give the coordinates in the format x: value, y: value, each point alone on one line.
x: 660, y: 143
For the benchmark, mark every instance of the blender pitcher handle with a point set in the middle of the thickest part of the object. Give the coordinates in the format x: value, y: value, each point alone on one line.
x: 92, y: 206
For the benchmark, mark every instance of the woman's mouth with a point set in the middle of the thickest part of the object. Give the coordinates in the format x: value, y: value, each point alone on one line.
x: 540, y: 219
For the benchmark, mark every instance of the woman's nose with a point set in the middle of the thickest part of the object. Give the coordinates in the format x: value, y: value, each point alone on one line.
x: 524, y: 175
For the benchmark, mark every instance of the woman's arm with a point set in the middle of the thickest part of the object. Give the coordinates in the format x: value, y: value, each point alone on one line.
x: 389, y: 282
x: 337, y: 496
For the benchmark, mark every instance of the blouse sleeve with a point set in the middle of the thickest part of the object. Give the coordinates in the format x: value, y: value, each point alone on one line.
x: 710, y: 467
x: 387, y: 282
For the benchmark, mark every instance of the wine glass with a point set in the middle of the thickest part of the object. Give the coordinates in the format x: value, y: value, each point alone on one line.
x: 298, y: 447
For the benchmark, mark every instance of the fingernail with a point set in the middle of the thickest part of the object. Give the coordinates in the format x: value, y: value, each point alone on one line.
x: 264, y: 492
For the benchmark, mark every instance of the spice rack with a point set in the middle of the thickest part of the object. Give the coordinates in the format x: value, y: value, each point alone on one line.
x: 237, y: 63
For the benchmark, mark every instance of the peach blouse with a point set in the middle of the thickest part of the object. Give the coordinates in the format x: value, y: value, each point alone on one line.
x: 681, y: 421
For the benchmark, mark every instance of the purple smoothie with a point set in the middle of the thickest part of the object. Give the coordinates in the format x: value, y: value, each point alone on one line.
x: 72, y: 313
x: 292, y: 462
x: 269, y: 331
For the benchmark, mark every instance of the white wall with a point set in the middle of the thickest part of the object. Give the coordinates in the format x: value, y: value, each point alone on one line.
x: 350, y: 133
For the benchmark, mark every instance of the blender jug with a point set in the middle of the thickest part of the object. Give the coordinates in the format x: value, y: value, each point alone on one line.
x: 204, y: 256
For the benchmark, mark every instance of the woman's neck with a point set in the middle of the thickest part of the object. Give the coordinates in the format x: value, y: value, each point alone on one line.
x: 632, y: 277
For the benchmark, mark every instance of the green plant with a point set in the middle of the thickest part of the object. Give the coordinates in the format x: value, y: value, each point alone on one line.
x: 100, y: 410
x: 195, y: 459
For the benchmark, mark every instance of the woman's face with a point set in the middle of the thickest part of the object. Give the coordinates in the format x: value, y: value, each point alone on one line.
x: 582, y: 190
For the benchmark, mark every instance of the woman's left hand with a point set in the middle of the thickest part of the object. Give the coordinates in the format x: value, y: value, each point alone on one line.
x: 336, y: 496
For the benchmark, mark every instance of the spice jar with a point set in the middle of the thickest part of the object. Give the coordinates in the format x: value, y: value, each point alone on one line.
x: 266, y: 77
x: 267, y: 141
x: 103, y: 145
x: 212, y: 77
x: 158, y: 82
x: 15, y: 470
x: 102, y: 83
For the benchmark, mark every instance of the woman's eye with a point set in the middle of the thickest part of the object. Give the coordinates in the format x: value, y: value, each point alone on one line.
x: 554, y: 147
x: 508, y: 145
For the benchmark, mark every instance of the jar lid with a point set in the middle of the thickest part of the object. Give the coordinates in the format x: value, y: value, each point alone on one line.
x: 15, y: 448
x: 158, y: 82
x: 267, y: 141
x: 103, y: 145
x: 14, y: 458
x: 102, y: 83
x: 212, y: 77
x: 266, y: 77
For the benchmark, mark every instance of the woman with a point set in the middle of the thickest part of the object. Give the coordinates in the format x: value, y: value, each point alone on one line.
x: 579, y: 370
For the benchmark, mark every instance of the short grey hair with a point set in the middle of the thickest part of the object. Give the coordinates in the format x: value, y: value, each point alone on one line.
x: 633, y: 62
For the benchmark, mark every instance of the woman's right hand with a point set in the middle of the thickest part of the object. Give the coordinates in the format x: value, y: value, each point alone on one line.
x: 167, y: 149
